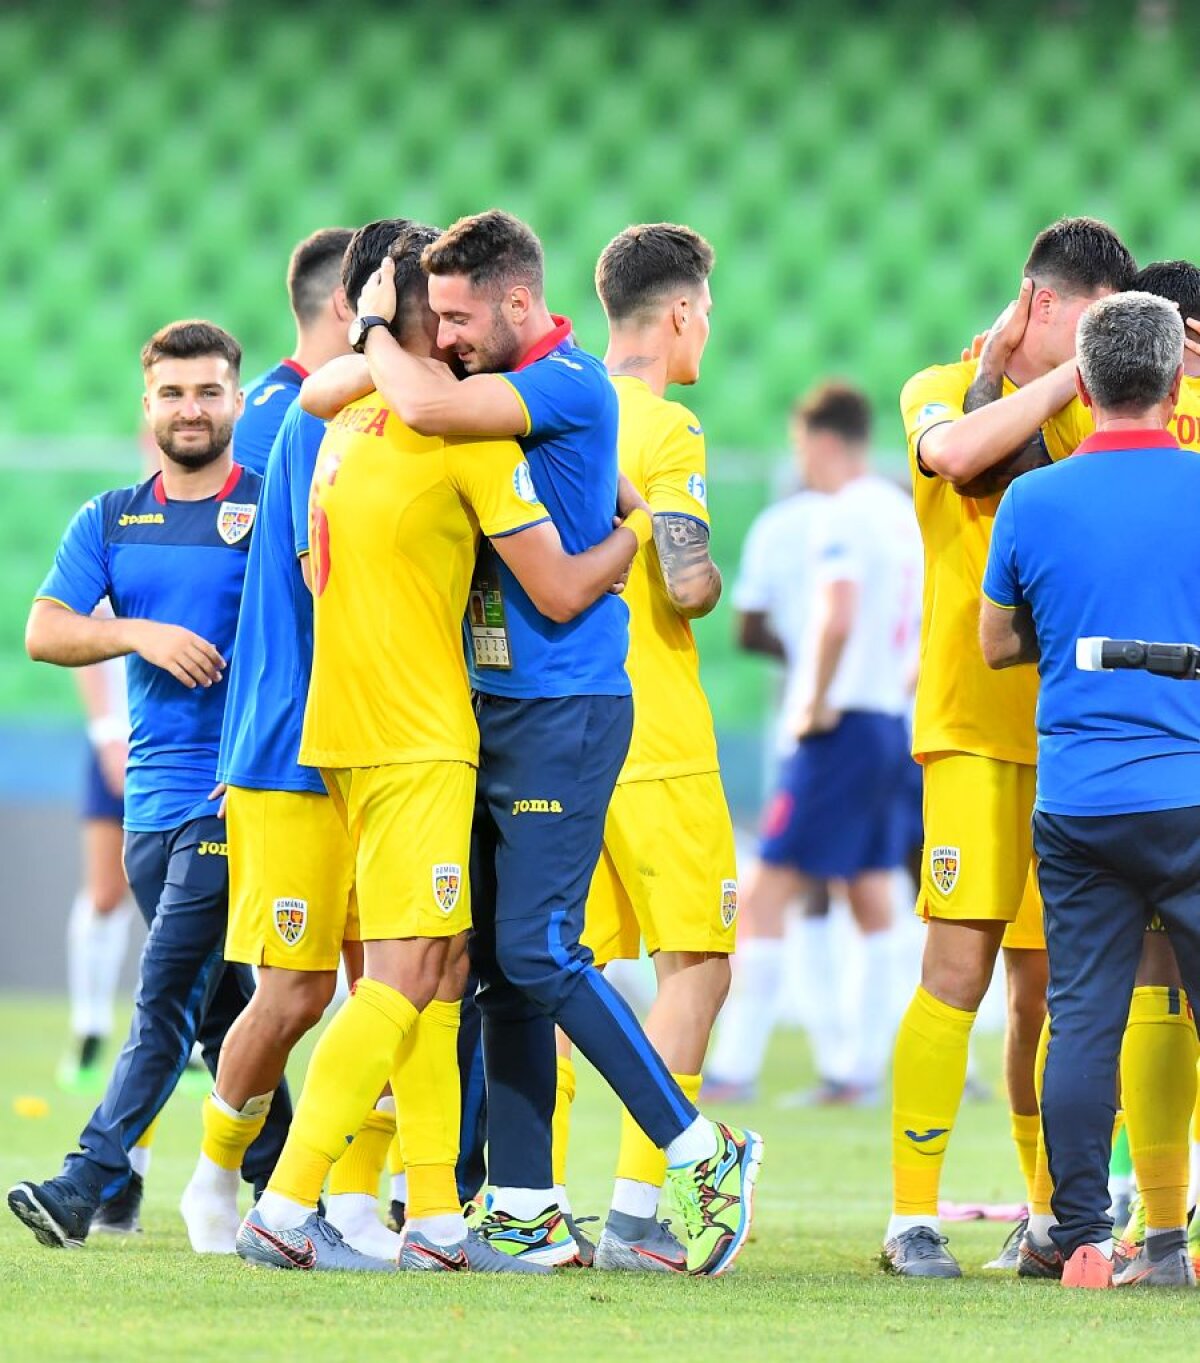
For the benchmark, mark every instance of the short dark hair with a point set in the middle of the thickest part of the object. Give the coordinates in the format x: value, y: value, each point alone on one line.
x: 188, y: 341
x: 838, y: 407
x: 364, y: 251
x: 1176, y: 280
x: 412, y: 284
x: 1080, y: 256
x: 313, y: 270
x: 491, y: 248
x: 644, y: 264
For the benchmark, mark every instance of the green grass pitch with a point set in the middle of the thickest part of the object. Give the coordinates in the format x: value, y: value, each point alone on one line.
x: 806, y: 1287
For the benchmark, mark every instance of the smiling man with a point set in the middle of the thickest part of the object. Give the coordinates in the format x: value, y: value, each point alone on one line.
x: 170, y: 556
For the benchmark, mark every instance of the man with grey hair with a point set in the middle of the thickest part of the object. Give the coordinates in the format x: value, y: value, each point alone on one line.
x: 1104, y: 544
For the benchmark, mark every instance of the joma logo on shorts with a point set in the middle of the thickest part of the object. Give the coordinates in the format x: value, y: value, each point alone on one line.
x: 214, y: 849
x: 537, y: 807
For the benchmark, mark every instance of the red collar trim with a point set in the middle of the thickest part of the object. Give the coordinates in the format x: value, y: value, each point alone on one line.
x: 1129, y: 440
x: 226, y: 488
x: 295, y: 368
x: 550, y: 341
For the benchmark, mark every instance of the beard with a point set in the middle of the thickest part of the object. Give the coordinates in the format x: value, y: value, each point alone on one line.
x: 194, y: 456
x: 499, y: 350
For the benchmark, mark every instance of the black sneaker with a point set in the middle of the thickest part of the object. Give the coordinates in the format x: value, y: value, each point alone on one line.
x: 395, y: 1216
x: 57, y: 1212
x: 119, y: 1215
x: 919, y: 1253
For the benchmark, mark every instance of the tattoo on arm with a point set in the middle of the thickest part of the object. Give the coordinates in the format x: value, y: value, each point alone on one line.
x: 985, y: 389
x: 994, y: 480
x: 693, y: 579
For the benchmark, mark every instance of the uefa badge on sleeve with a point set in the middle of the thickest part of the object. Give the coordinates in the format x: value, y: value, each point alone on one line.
x: 291, y: 918
x: 447, y: 880
x: 234, y: 520
x: 729, y: 904
x: 944, y: 863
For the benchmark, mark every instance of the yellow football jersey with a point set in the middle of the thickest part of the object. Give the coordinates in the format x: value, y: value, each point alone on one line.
x: 661, y: 450
x: 395, y: 526
x: 1073, y: 425
x: 962, y: 705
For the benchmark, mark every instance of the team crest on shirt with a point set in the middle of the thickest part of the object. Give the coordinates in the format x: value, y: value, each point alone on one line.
x: 234, y: 520
x: 291, y: 918
x: 523, y: 483
x: 698, y: 488
x: 944, y: 864
x: 447, y: 881
x: 729, y: 904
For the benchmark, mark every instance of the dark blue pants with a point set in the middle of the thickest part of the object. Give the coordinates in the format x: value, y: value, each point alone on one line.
x: 180, y: 880
x: 546, y: 774
x: 1101, y: 880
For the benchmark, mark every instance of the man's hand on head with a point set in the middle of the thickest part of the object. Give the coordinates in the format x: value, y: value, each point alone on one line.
x: 1008, y: 329
x: 378, y: 298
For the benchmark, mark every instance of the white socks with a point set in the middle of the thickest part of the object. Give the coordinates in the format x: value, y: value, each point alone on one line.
x: 400, y: 1188
x: 96, y: 945
x: 816, y: 981
x: 634, y: 1198
x: 281, y: 1213
x: 694, y: 1144
x: 523, y: 1203
x: 447, y: 1229
x: 749, y: 1015
x: 1040, y: 1224
x: 356, y: 1216
x: 560, y: 1196
x: 874, y: 1014
x: 139, y: 1160
x: 209, y: 1208
x: 897, y: 1225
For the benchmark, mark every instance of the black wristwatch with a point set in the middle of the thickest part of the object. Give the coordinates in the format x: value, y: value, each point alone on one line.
x: 357, y: 335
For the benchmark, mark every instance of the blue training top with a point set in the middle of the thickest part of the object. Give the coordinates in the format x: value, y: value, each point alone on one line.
x: 181, y: 563
x: 268, y: 683
x: 267, y: 399
x: 1105, y: 543
x: 571, y: 447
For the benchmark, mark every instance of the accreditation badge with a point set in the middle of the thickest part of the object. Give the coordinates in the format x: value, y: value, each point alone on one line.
x: 486, y: 618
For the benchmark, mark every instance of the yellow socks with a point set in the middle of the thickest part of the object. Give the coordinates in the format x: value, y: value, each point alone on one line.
x: 228, y: 1134
x: 564, y: 1096
x: 1158, y: 1088
x: 639, y: 1159
x: 349, y: 1067
x: 1042, y: 1188
x: 929, y: 1071
x: 360, y: 1168
x: 1026, y: 1128
x: 428, y: 1104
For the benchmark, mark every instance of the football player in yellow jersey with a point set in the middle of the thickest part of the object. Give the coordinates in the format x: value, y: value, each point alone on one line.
x: 971, y: 428
x: 1158, y: 1057
x: 396, y: 524
x: 667, y: 873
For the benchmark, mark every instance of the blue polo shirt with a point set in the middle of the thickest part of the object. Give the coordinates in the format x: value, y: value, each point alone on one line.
x: 268, y: 682
x: 181, y: 563
x: 571, y: 447
x: 1105, y: 543
x: 268, y: 398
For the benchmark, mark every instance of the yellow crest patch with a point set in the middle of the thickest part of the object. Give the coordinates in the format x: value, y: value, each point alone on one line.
x: 944, y: 864
x: 729, y: 902
x: 291, y: 918
x: 447, y: 881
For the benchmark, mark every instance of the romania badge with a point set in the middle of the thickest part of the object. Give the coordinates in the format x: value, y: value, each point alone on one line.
x: 943, y: 867
x: 234, y: 520
x: 291, y: 918
x: 728, y: 902
x: 447, y: 878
